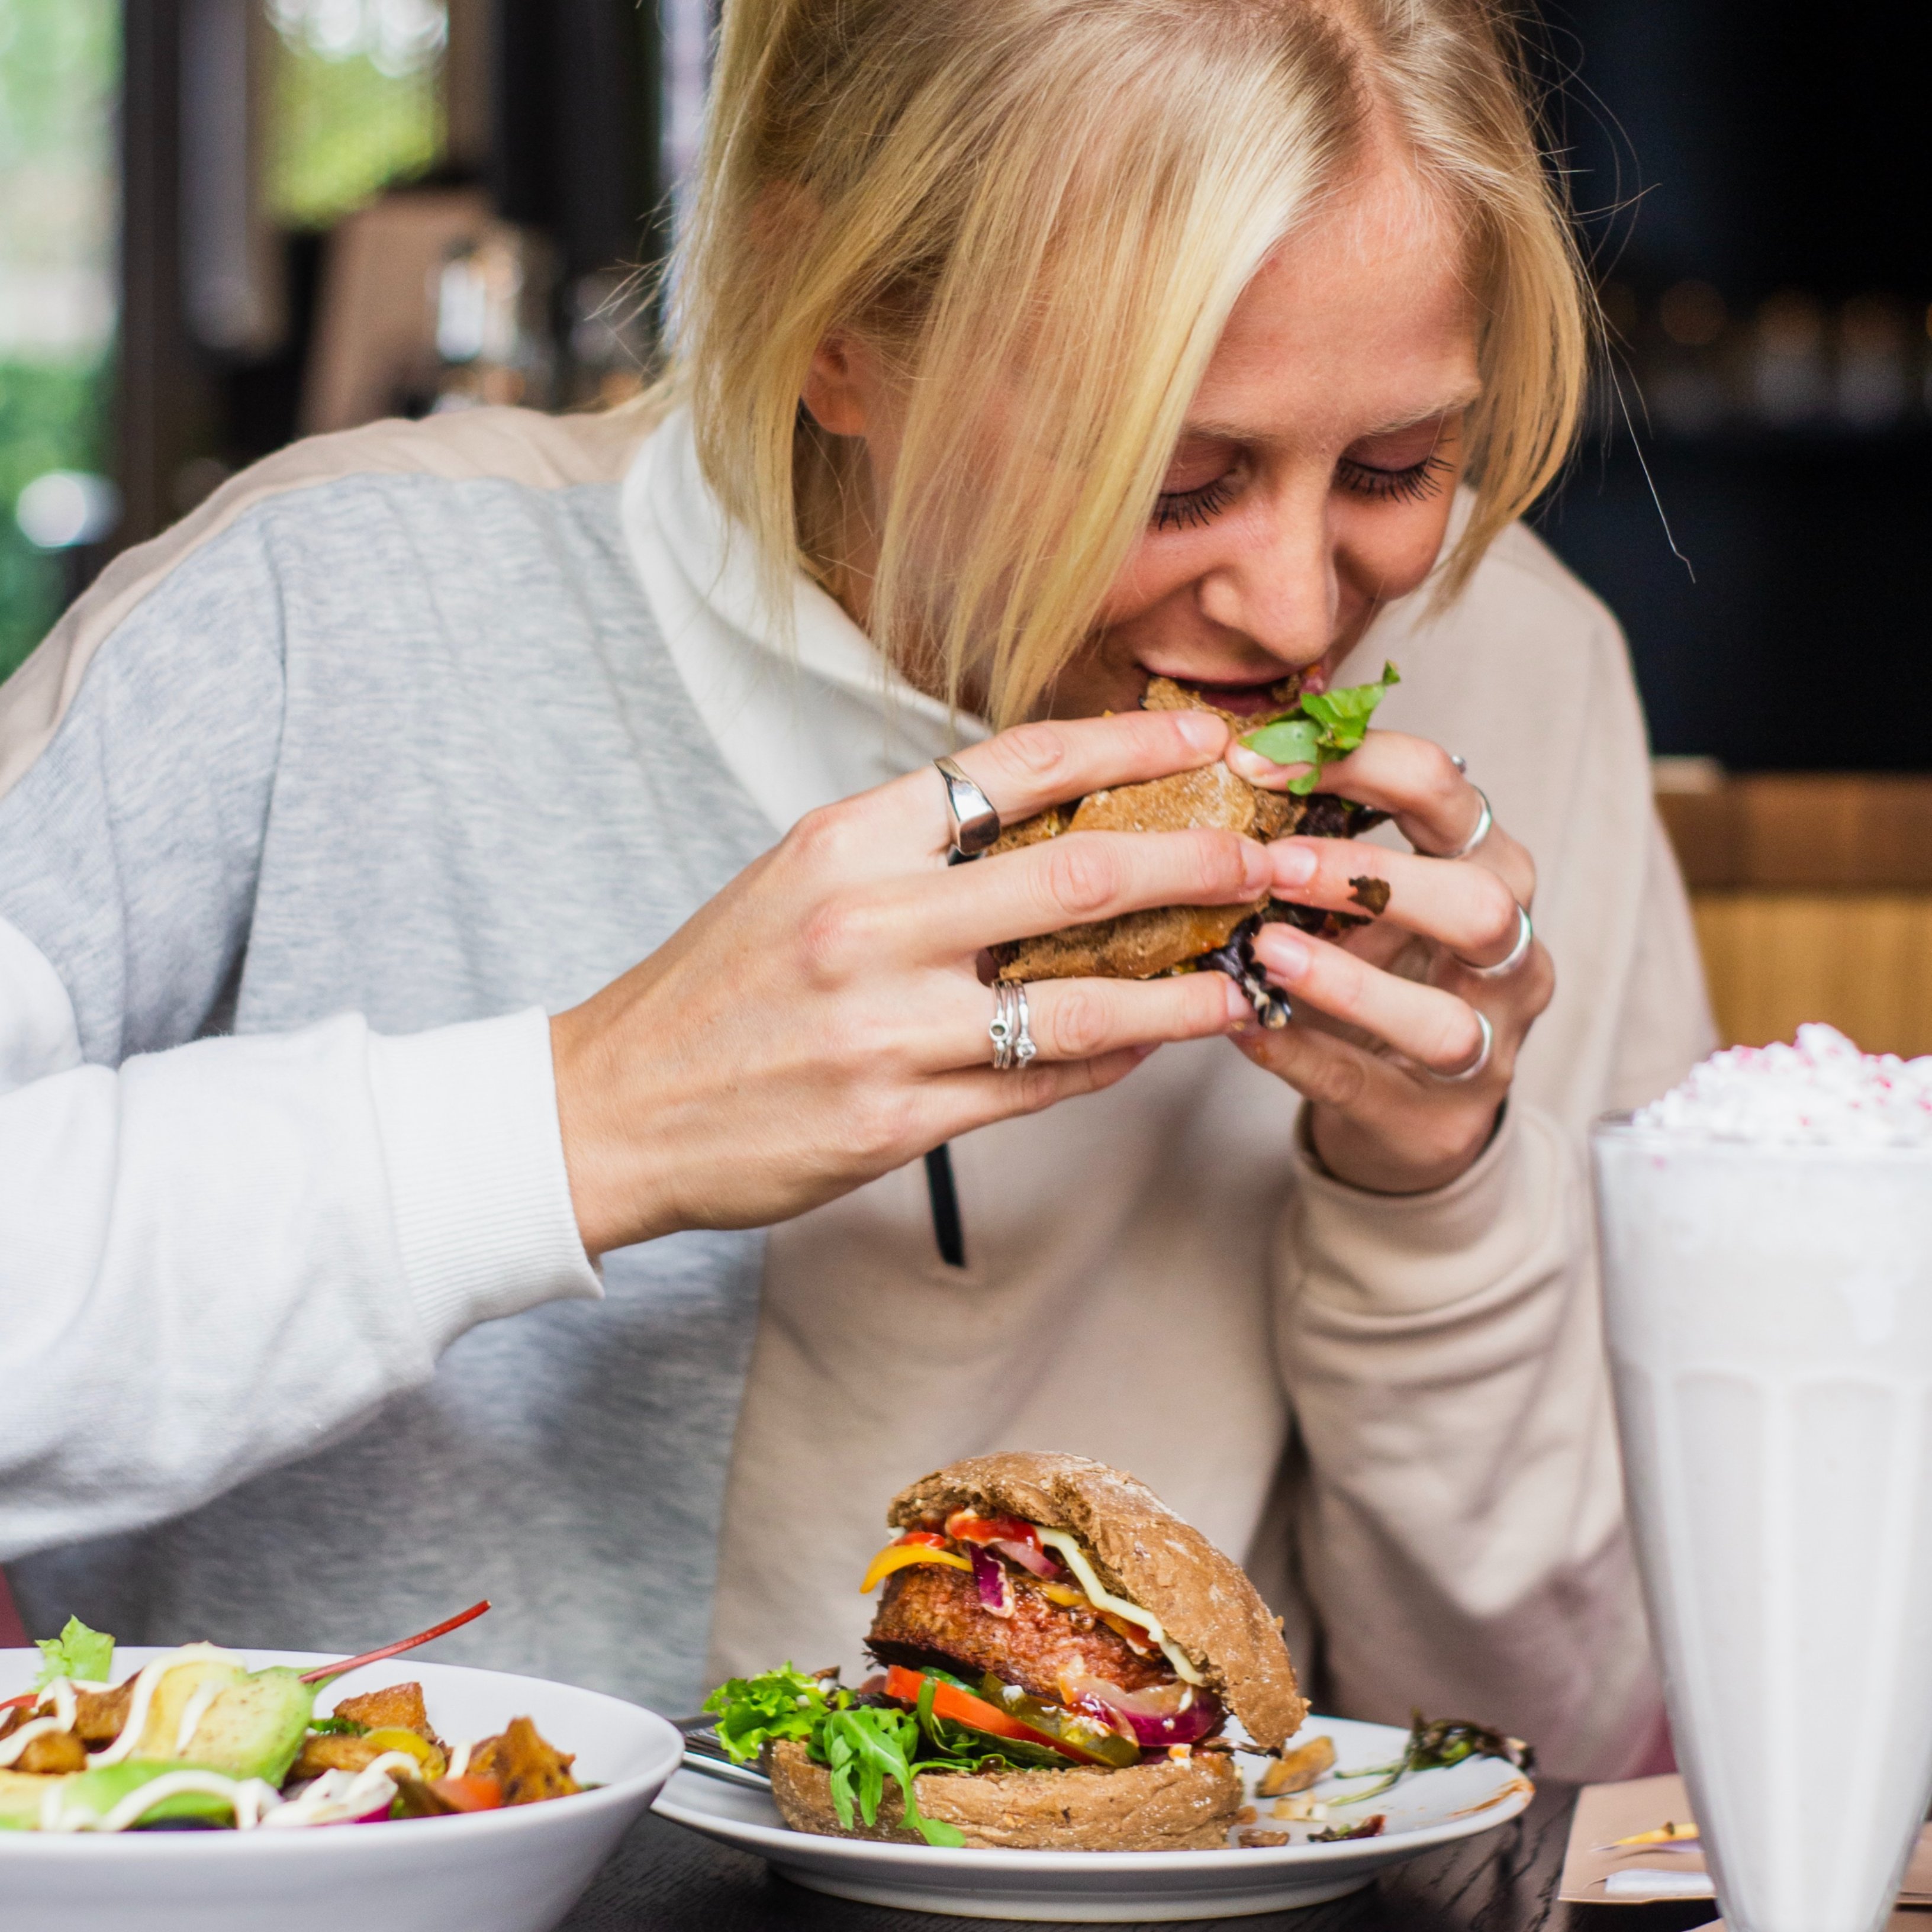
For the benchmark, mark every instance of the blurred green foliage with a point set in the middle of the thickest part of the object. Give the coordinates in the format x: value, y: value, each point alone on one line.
x: 60, y: 65
x: 50, y: 419
x: 347, y: 123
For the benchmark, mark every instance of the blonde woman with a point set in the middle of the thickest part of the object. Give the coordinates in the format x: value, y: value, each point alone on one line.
x: 472, y: 869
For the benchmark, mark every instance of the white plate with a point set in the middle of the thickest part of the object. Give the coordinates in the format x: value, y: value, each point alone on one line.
x: 1430, y: 1808
x: 518, y: 1870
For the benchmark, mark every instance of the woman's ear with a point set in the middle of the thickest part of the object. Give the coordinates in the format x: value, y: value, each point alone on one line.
x: 837, y: 389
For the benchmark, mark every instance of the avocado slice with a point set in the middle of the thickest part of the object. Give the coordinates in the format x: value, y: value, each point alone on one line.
x: 98, y: 1791
x: 255, y: 1725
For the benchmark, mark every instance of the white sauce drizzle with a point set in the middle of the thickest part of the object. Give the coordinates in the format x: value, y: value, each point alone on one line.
x: 248, y: 1797
x: 145, y: 1685
x: 1103, y: 1600
x: 459, y: 1759
x: 337, y: 1796
x: 198, y: 1703
x: 13, y: 1745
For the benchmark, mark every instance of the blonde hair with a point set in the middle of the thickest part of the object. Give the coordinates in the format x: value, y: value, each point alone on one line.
x: 1041, y: 212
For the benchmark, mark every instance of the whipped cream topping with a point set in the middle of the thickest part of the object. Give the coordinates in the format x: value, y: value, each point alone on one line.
x: 1820, y: 1090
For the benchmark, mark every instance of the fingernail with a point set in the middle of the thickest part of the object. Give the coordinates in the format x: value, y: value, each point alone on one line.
x: 1258, y: 770
x: 1201, y: 729
x: 1283, y: 951
x: 1240, y: 1013
x: 1293, y: 864
x: 1258, y: 867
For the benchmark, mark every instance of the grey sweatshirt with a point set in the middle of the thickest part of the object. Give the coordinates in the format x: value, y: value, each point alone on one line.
x: 312, y: 811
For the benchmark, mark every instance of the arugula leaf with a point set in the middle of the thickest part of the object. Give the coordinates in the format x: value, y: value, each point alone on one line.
x: 755, y: 1711
x: 1323, y: 726
x: 83, y: 1654
x: 863, y: 1746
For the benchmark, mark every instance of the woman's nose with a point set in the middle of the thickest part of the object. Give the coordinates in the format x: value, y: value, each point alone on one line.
x: 1277, y: 583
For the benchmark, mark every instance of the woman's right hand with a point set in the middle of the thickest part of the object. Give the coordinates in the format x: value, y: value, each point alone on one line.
x: 821, y: 1021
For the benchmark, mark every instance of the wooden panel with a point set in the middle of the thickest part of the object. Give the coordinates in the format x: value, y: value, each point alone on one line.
x: 1812, y: 831
x: 1861, y: 961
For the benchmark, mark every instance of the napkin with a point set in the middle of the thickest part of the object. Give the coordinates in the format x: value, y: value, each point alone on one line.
x: 1643, y: 1874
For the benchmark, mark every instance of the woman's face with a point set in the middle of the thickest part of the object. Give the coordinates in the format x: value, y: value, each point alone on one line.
x: 1313, y: 480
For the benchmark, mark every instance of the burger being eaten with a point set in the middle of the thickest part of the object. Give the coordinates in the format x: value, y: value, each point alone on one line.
x: 1309, y: 728
x: 1061, y: 1654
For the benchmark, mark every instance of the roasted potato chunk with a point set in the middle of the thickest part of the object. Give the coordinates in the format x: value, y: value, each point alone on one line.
x: 526, y: 1767
x: 53, y: 1754
x: 1296, y: 1770
x: 399, y: 1708
x: 319, y: 1754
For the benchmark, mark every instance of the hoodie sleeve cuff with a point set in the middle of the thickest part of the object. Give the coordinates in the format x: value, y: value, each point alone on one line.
x: 477, y: 1181
x: 1398, y: 1255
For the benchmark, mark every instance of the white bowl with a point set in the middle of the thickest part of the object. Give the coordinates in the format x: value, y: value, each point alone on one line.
x: 518, y: 1870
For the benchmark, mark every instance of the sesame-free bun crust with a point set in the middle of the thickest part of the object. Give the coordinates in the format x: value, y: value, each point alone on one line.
x: 1166, y: 1805
x: 1142, y: 1551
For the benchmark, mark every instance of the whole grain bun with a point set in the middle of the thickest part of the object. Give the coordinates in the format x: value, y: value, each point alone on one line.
x: 1168, y: 1805
x: 1137, y: 945
x: 1142, y: 1551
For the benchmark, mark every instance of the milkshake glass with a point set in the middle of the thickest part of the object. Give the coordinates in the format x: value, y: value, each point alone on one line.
x: 1768, y: 1308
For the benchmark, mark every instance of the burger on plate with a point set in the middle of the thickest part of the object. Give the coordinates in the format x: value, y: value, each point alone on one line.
x: 1306, y: 727
x: 1060, y: 1656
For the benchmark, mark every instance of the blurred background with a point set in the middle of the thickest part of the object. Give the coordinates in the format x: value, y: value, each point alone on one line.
x: 224, y: 224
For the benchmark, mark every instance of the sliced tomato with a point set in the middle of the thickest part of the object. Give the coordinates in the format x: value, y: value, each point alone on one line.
x: 964, y: 1527
x: 469, y: 1794
x: 897, y: 1555
x: 961, y: 1707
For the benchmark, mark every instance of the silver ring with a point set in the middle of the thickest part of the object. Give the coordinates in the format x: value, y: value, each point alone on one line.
x: 1461, y: 763
x: 1525, y: 936
x: 1011, y: 1030
x: 976, y: 825
x: 1481, y: 1061
x: 1485, y: 819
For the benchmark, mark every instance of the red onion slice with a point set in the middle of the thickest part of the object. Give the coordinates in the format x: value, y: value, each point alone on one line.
x: 1173, y: 1714
x: 1026, y: 1557
x: 996, y: 1588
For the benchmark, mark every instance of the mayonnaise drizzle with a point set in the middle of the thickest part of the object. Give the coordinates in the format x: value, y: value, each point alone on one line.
x: 459, y: 1759
x: 203, y: 1696
x: 1102, y: 1599
x: 145, y: 1685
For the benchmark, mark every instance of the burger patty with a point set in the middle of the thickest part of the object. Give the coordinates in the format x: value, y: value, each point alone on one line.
x: 931, y: 1611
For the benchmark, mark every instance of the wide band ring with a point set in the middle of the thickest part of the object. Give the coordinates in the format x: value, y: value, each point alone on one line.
x: 1485, y: 822
x: 1526, y: 938
x: 1481, y: 1061
x: 1011, y: 1030
x: 976, y: 825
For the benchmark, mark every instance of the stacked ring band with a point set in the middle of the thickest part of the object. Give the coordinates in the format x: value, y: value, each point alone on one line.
x: 1011, y: 1028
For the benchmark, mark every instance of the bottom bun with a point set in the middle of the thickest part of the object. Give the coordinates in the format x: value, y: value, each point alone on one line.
x: 1167, y: 1805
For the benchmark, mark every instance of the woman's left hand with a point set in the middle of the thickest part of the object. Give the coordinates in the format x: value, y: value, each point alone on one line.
x: 1375, y: 1050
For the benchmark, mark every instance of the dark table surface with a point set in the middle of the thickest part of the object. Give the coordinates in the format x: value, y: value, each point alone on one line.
x: 669, y: 1879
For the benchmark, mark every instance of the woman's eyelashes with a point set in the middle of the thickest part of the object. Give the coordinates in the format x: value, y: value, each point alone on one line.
x: 1189, y: 509
x: 1409, y: 484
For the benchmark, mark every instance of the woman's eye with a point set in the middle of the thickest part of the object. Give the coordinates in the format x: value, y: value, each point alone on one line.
x: 1409, y: 484
x: 1188, y: 509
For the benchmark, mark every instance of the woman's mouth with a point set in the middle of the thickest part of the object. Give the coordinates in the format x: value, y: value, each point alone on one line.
x: 1248, y: 700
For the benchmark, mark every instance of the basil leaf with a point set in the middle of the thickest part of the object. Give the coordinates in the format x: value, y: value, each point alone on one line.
x: 1288, y: 741
x: 84, y: 1655
x: 1322, y: 726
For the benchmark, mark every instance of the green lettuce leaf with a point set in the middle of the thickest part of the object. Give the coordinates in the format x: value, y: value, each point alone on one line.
x: 83, y: 1654
x: 755, y: 1711
x: 1323, y: 726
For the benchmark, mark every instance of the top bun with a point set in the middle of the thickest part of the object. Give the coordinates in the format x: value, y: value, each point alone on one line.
x: 1142, y: 1551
